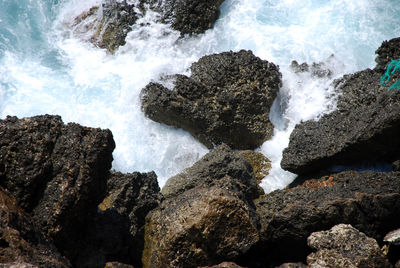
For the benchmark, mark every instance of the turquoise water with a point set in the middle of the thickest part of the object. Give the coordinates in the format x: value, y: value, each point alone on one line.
x: 45, y: 67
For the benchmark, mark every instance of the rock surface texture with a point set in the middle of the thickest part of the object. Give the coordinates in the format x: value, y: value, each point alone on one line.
x: 56, y: 172
x: 345, y: 246
x: 369, y: 201
x: 364, y: 129
x: 208, y: 220
x: 226, y: 99
x: 21, y: 243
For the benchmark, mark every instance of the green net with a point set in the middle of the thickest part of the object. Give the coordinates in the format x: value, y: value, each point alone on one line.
x: 393, y: 67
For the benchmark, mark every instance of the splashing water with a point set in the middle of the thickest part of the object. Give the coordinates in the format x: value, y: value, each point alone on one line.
x: 45, y: 68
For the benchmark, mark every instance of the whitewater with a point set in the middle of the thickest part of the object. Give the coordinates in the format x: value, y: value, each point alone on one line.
x: 46, y: 67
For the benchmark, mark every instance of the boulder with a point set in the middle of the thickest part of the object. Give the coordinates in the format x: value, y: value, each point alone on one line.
x: 21, y: 243
x: 117, y: 230
x: 369, y: 201
x: 117, y: 265
x: 388, y: 51
x: 292, y: 265
x: 204, y: 225
x: 260, y: 164
x: 56, y: 172
x: 214, y: 166
x: 226, y: 99
x: 224, y: 265
x: 392, y: 246
x: 344, y: 246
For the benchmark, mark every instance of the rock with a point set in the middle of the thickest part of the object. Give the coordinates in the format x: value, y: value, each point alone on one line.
x: 260, y: 164
x: 203, y: 226
x: 21, y: 243
x: 392, y: 246
x: 364, y: 135
x: 316, y: 69
x: 117, y: 231
x: 56, y: 172
x: 388, y: 51
x: 369, y: 201
x: 224, y: 265
x: 213, y: 166
x: 396, y: 165
x: 117, y: 265
x: 393, y: 237
x: 226, y: 100
x: 292, y: 265
x: 344, y: 246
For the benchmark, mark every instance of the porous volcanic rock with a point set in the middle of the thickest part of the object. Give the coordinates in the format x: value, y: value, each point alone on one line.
x: 260, y: 164
x: 205, y: 225
x: 388, y: 51
x: 345, y: 246
x: 117, y: 231
x: 224, y: 265
x: 213, y: 166
x: 226, y: 99
x: 369, y: 201
x: 21, y: 243
x: 56, y: 172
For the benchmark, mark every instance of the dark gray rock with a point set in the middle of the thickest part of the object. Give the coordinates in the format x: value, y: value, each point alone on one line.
x: 369, y: 201
x: 21, y: 243
x: 388, y: 51
x: 214, y: 166
x: 117, y: 231
x: 226, y: 100
x: 56, y: 172
x: 202, y: 226
x: 224, y: 265
x: 345, y: 246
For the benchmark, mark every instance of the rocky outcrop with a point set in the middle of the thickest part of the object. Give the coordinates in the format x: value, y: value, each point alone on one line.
x: 213, y: 166
x: 21, y: 243
x: 345, y: 246
x: 107, y: 26
x: 117, y: 231
x: 208, y: 215
x: 369, y: 201
x: 260, y: 164
x: 226, y: 99
x: 56, y: 172
x: 388, y: 51
x: 224, y: 265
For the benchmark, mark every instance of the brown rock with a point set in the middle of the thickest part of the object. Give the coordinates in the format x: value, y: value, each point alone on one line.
x: 261, y: 165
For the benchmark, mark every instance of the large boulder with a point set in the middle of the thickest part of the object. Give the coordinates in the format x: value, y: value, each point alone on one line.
x: 369, y: 201
x: 226, y: 99
x: 345, y: 246
x: 57, y: 172
x: 213, y: 166
x: 21, y: 243
x: 203, y: 226
x: 117, y: 231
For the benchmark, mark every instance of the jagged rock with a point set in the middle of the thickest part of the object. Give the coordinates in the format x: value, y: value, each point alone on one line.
x: 117, y: 231
x: 226, y: 100
x: 388, y: 51
x: 365, y: 135
x: 344, y: 246
x: 224, y: 265
x: 205, y: 225
x: 56, y: 172
x: 369, y: 201
x: 21, y: 244
x: 393, y: 237
x: 396, y: 165
x: 316, y: 69
x: 213, y: 166
x: 292, y: 265
x: 392, y: 246
x: 117, y: 265
x: 261, y: 165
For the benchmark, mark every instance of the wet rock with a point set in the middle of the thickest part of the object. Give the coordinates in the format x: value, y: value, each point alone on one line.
x: 224, y: 265
x: 226, y: 100
x: 316, y: 69
x: 388, y: 51
x: 363, y: 135
x: 393, y: 237
x: 344, y: 246
x: 396, y: 165
x: 203, y: 226
x: 260, y: 164
x: 56, y: 172
x: 117, y: 265
x: 292, y: 265
x: 369, y: 201
x: 21, y: 243
x: 117, y: 231
x: 213, y: 166
x: 392, y: 246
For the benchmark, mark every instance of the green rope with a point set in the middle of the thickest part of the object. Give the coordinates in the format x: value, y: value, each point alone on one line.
x: 393, y: 67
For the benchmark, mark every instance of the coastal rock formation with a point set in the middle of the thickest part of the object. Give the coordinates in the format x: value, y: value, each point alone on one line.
x: 213, y: 166
x: 226, y: 99
x: 388, y: 51
x: 364, y: 129
x: 108, y: 25
x: 205, y: 225
x: 56, y: 172
x: 21, y: 244
x: 369, y: 201
x: 260, y: 164
x: 345, y: 246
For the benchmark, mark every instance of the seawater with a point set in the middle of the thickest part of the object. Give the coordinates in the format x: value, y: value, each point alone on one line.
x: 46, y: 68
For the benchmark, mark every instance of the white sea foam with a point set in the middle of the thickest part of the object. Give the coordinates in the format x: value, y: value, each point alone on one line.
x: 61, y: 74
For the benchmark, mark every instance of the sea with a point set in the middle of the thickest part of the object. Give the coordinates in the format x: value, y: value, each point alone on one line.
x: 46, y: 67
